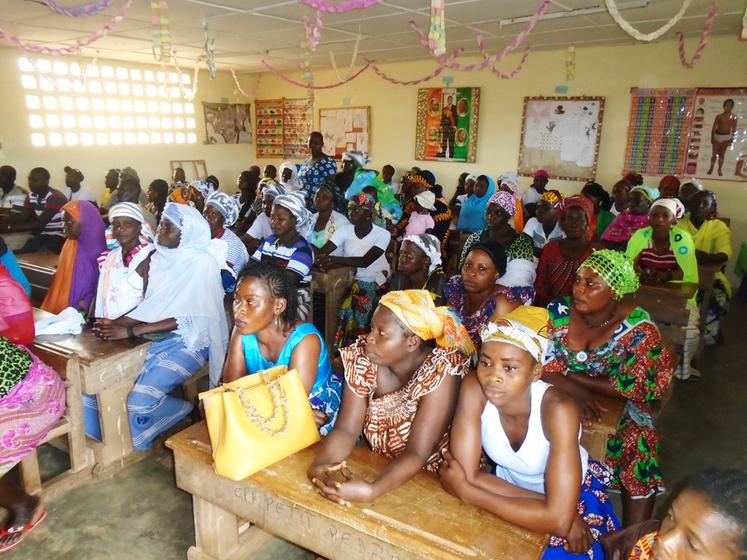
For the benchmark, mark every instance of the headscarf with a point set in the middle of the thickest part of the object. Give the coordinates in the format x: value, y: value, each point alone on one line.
x: 296, y: 205
x: 426, y: 199
x: 651, y: 193
x: 16, y: 312
x: 525, y: 327
x: 430, y: 246
x: 511, y: 180
x: 616, y: 269
x: 472, y: 214
x: 541, y: 173
x: 579, y: 201
x: 424, y: 178
x: 135, y: 212
x: 505, y: 200
x: 256, y: 170
x: 672, y: 204
x: 364, y: 200
x: 357, y: 157
x: 74, y: 283
x: 669, y: 181
x: 226, y: 205
x: 292, y: 184
x: 415, y: 308
x: 273, y: 190
x: 185, y: 283
x: 205, y: 188
x: 552, y: 197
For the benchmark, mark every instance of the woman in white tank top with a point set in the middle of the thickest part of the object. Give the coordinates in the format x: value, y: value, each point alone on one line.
x: 544, y: 480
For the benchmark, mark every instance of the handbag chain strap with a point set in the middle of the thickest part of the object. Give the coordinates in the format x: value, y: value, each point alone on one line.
x: 279, y: 401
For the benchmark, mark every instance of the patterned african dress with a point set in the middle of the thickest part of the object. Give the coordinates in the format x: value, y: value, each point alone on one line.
x: 311, y: 175
x: 356, y: 310
x: 32, y: 400
x: 456, y: 298
x: 389, y: 417
x: 555, y: 273
x: 640, y: 371
x: 644, y: 548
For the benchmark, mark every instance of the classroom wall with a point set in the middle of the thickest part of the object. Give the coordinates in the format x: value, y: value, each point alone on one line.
x: 609, y: 71
x: 151, y: 162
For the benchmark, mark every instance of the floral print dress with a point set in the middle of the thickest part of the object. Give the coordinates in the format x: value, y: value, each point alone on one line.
x: 640, y: 371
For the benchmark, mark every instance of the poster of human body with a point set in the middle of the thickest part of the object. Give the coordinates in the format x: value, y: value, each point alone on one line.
x: 718, y: 140
x: 561, y: 135
x: 447, y: 124
x: 228, y: 123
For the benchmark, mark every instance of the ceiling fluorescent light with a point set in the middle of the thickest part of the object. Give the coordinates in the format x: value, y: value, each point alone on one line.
x: 573, y: 13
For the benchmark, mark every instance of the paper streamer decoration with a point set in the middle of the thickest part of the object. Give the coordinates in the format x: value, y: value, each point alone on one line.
x: 633, y: 32
x: 703, y: 41
x: 437, y: 31
x: 515, y: 71
x: 322, y: 6
x: 313, y: 31
x: 570, y: 64
x: 353, y: 58
x: 379, y: 72
x: 280, y: 75
x: 240, y: 89
x: 79, y: 44
x: 209, y: 51
x: 188, y: 94
x: 81, y: 11
x: 160, y: 34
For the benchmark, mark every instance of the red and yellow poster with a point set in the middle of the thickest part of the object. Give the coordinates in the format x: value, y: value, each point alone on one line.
x: 447, y: 124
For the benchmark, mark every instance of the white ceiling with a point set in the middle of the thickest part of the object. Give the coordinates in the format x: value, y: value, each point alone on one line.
x: 246, y: 31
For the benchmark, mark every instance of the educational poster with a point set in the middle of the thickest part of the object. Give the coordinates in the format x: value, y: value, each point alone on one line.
x: 718, y: 141
x: 298, y: 122
x: 658, y: 129
x: 228, y: 123
x: 447, y: 124
x: 561, y: 135
x: 345, y: 129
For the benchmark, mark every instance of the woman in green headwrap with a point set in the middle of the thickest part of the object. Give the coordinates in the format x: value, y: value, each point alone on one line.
x: 601, y: 344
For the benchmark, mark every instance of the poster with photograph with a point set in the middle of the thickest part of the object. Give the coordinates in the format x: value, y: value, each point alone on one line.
x: 447, y: 124
x: 228, y: 123
x: 718, y: 139
x: 561, y: 135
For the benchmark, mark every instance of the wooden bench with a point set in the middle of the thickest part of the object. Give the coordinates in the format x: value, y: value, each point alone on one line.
x: 39, y: 268
x: 417, y: 520
x: 70, y: 426
x: 332, y: 285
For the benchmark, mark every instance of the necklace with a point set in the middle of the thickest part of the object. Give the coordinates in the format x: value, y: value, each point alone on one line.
x: 604, y: 323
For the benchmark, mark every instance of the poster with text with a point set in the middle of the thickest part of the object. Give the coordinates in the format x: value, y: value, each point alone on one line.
x: 447, y: 124
x: 561, y: 135
x: 718, y: 139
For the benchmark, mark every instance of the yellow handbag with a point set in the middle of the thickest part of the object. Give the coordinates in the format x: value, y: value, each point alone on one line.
x: 258, y: 420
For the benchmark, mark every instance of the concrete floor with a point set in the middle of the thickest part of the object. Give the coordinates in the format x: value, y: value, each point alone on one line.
x: 141, y: 514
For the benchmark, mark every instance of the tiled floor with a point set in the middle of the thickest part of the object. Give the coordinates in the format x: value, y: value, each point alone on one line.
x: 140, y: 514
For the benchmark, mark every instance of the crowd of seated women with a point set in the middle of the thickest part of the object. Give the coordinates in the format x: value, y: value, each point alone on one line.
x: 476, y: 353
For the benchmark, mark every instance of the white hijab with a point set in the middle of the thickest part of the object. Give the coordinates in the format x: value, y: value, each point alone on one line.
x: 185, y: 283
x: 292, y: 184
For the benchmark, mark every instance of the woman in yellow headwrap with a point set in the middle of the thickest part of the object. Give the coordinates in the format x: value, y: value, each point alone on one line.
x: 402, y: 382
x: 544, y: 480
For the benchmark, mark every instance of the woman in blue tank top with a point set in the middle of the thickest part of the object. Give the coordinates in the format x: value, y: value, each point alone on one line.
x: 269, y: 333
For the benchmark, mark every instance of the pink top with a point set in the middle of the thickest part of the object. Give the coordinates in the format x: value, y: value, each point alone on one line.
x: 419, y: 223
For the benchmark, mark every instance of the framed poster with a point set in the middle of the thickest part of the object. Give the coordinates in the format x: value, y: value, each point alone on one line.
x: 228, y: 123
x: 658, y: 129
x: 561, y: 135
x: 345, y: 129
x: 447, y: 124
x: 718, y: 140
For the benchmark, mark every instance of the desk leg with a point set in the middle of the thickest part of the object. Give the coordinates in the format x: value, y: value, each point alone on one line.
x: 115, y: 426
x: 220, y: 535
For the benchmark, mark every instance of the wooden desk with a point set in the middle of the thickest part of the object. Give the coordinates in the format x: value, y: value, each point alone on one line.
x: 332, y: 285
x: 417, y: 520
x: 108, y: 370
x: 39, y: 268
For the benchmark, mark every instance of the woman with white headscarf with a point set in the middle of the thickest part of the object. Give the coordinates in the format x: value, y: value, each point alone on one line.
x: 183, y: 310
x: 289, y: 177
x: 221, y: 212
x: 419, y: 267
x: 288, y: 246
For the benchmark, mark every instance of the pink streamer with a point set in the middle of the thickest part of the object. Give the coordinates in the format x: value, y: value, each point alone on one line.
x: 488, y: 59
x: 519, y: 68
x: 703, y: 41
x: 323, y: 6
x: 81, y: 11
x: 75, y: 49
x: 311, y: 86
x: 381, y: 74
x: 241, y: 90
x: 313, y: 31
x: 189, y: 95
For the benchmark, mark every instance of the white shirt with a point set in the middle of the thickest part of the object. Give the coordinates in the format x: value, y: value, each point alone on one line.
x: 83, y: 194
x: 260, y: 228
x: 536, y: 231
x: 120, y: 287
x: 15, y: 197
x: 352, y: 246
